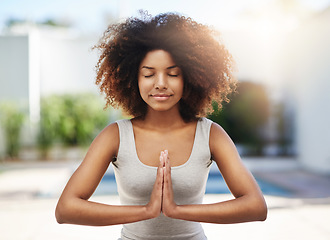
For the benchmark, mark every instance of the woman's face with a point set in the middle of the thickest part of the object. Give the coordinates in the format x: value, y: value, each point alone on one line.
x: 160, y: 81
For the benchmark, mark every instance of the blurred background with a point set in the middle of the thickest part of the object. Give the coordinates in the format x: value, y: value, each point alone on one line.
x: 50, y: 108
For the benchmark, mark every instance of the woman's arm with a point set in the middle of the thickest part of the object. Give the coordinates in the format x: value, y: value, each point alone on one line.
x: 248, y: 205
x: 73, y: 206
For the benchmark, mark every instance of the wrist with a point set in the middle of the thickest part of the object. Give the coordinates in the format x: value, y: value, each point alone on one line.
x: 172, y: 212
x: 150, y: 212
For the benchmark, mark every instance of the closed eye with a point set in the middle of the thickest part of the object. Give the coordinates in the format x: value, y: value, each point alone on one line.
x: 149, y: 76
x: 173, y: 75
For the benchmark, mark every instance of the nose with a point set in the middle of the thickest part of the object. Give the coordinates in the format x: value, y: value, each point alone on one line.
x: 160, y: 81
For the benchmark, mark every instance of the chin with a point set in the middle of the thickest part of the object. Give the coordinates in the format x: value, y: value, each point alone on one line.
x: 161, y: 108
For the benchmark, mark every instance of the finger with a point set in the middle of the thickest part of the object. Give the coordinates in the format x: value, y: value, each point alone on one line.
x: 162, y: 159
x: 160, y: 168
x: 167, y: 172
x: 160, y: 172
x: 159, y: 182
x: 166, y: 152
x: 165, y: 157
x: 167, y: 162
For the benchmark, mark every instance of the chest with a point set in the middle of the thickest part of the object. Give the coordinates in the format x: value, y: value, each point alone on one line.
x: 179, y: 144
x: 135, y: 175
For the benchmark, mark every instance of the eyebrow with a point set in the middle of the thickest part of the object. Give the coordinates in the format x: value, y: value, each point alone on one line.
x: 151, y: 68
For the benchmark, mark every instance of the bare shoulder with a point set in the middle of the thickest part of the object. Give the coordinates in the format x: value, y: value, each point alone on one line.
x: 110, y: 133
x: 218, y: 134
x: 111, y: 130
x: 106, y: 142
x: 221, y: 145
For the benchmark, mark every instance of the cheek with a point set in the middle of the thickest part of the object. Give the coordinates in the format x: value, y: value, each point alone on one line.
x: 143, y: 88
x: 180, y: 87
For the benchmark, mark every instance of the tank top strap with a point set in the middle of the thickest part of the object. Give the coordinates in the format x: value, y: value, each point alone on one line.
x: 203, y: 131
x: 126, y: 138
x: 124, y: 131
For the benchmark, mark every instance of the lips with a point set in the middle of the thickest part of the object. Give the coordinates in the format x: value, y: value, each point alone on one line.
x: 161, y: 96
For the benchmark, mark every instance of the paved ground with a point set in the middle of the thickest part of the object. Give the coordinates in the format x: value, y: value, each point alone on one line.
x: 29, y: 192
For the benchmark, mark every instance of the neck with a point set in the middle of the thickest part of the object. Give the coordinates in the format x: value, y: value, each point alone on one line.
x: 163, y: 120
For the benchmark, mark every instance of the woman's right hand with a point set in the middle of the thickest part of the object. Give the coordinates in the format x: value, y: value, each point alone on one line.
x: 154, y: 206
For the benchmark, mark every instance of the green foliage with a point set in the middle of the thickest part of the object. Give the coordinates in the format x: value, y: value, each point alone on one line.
x: 283, y: 128
x: 54, y: 23
x: 73, y: 120
x: 12, y: 119
x: 49, y: 119
x: 14, y: 21
x: 48, y: 22
x: 245, y: 116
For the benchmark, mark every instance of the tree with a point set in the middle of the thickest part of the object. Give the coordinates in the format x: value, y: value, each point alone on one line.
x: 245, y: 116
x: 72, y: 120
x: 12, y: 119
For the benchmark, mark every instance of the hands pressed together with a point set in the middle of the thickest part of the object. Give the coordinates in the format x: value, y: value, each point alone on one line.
x: 161, y: 199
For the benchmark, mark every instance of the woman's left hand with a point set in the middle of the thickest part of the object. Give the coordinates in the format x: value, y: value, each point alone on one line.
x: 168, y: 204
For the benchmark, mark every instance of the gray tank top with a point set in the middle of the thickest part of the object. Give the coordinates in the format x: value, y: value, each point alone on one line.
x: 135, y: 181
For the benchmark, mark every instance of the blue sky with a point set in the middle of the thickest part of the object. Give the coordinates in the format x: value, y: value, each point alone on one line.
x: 90, y: 15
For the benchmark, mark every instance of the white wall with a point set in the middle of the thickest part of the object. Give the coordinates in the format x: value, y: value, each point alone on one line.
x: 14, y: 68
x: 14, y: 73
x: 252, y: 53
x: 307, y: 57
x: 67, y: 64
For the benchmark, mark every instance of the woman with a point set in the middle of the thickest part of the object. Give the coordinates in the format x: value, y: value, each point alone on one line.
x: 165, y: 72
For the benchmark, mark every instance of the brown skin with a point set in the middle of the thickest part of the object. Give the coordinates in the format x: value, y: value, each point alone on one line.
x: 161, y: 129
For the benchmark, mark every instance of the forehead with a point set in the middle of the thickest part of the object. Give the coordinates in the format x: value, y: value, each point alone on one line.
x: 157, y: 59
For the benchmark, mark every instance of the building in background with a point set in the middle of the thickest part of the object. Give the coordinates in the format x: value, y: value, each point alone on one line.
x: 42, y: 61
x: 38, y: 61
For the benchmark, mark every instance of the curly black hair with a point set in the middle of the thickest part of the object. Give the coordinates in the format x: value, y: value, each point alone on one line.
x: 206, y: 64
